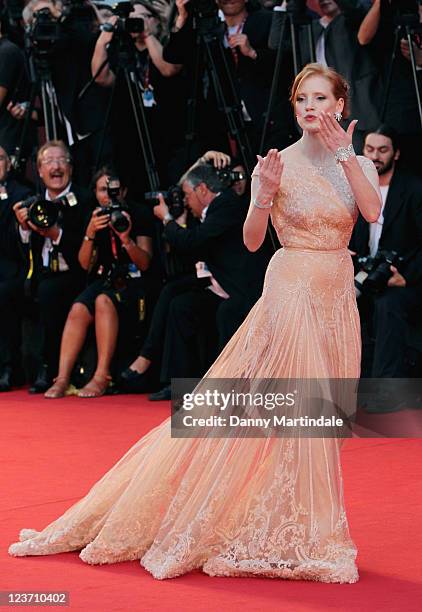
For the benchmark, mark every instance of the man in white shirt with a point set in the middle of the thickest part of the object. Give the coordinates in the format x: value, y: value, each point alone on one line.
x: 53, y: 253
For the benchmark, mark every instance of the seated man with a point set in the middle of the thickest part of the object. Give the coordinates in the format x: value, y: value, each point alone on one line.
x: 115, y: 255
x: 53, y: 252
x: 12, y: 276
x: 229, y: 277
x: 385, y: 308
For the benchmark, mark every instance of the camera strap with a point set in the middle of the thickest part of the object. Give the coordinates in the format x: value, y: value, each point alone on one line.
x: 113, y: 243
x: 53, y: 263
x: 147, y: 89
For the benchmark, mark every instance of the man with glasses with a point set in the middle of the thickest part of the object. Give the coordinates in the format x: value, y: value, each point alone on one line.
x: 53, y: 253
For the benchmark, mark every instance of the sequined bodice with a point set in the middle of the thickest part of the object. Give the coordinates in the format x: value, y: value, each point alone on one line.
x: 314, y: 208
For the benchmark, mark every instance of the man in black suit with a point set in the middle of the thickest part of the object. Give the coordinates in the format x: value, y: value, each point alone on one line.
x: 336, y: 45
x: 229, y: 276
x: 399, y: 228
x: 12, y: 275
x: 54, y: 252
x: 244, y: 36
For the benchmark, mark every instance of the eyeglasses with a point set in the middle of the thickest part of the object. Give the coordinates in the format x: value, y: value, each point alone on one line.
x: 50, y: 161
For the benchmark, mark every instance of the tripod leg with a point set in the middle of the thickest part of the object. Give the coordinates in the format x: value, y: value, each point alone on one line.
x: 22, y: 140
x: 142, y: 128
x: 49, y: 111
x: 390, y: 73
x: 274, y: 83
x: 414, y: 73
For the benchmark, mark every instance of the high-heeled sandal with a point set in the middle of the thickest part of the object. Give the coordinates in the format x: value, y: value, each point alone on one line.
x: 96, y: 387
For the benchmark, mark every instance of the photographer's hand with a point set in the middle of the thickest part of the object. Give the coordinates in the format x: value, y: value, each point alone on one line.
x: 242, y: 41
x: 21, y: 216
x: 52, y: 232
x: 96, y: 223
x: 161, y: 209
x: 219, y: 159
x: 182, y: 14
x: 397, y: 280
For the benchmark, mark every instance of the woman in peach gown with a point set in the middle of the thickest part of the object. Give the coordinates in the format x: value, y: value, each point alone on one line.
x: 254, y: 506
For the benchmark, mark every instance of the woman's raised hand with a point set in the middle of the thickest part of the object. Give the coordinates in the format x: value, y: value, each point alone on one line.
x: 332, y: 134
x: 269, y: 170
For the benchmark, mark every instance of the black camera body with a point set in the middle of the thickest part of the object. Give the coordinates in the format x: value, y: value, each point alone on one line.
x: 46, y: 213
x: 173, y: 197
x: 125, y: 24
x: 44, y: 32
x: 375, y: 271
x: 116, y: 208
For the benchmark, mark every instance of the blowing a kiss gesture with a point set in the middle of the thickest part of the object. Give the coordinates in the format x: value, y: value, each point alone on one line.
x: 332, y: 134
x: 268, y: 170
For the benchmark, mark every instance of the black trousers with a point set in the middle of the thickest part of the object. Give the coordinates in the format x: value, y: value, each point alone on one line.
x: 192, y: 314
x: 56, y: 293
x: 11, y: 297
x: 153, y: 345
x: 385, y: 318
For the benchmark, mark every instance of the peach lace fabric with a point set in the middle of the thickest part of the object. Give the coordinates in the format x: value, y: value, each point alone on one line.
x: 240, y: 507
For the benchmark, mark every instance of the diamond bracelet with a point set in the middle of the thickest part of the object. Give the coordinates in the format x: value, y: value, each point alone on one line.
x: 262, y: 206
x: 344, y: 153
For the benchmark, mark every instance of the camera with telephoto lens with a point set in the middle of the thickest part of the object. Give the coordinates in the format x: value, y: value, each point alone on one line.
x: 46, y: 213
x: 173, y: 197
x: 227, y: 176
x: 125, y: 24
x: 375, y: 271
x: 116, y: 208
x: 44, y: 31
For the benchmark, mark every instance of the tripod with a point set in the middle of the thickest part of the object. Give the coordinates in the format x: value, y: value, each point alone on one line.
x: 211, y: 54
x: 128, y: 67
x: 407, y: 25
x: 295, y: 21
x: 41, y: 85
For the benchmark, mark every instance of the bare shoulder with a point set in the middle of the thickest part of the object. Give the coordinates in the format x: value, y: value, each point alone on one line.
x: 290, y: 153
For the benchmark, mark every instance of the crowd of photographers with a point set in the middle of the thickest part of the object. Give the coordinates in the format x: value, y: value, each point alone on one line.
x: 110, y: 279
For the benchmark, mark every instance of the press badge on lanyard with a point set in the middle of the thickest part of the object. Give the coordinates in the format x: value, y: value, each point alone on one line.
x: 133, y: 271
x: 148, y: 97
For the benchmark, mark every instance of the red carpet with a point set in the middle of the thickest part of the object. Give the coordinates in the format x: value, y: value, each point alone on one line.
x: 51, y: 452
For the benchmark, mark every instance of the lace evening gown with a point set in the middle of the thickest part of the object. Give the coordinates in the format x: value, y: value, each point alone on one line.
x: 246, y: 506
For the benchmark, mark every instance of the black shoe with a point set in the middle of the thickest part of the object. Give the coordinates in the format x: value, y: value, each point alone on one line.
x: 42, y: 382
x: 6, y: 379
x: 133, y: 382
x: 162, y: 395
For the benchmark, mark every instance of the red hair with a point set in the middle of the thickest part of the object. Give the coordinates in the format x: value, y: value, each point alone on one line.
x: 339, y: 86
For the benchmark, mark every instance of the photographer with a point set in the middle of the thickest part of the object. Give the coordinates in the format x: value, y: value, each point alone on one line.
x: 244, y: 36
x: 387, y: 303
x: 65, y: 55
x: 116, y: 256
x: 377, y: 32
x: 160, y: 86
x: 13, y: 88
x: 53, y: 251
x: 12, y: 276
x: 222, y: 291
x: 336, y: 45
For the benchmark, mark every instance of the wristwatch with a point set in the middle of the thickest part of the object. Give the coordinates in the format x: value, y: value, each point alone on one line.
x: 167, y: 217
